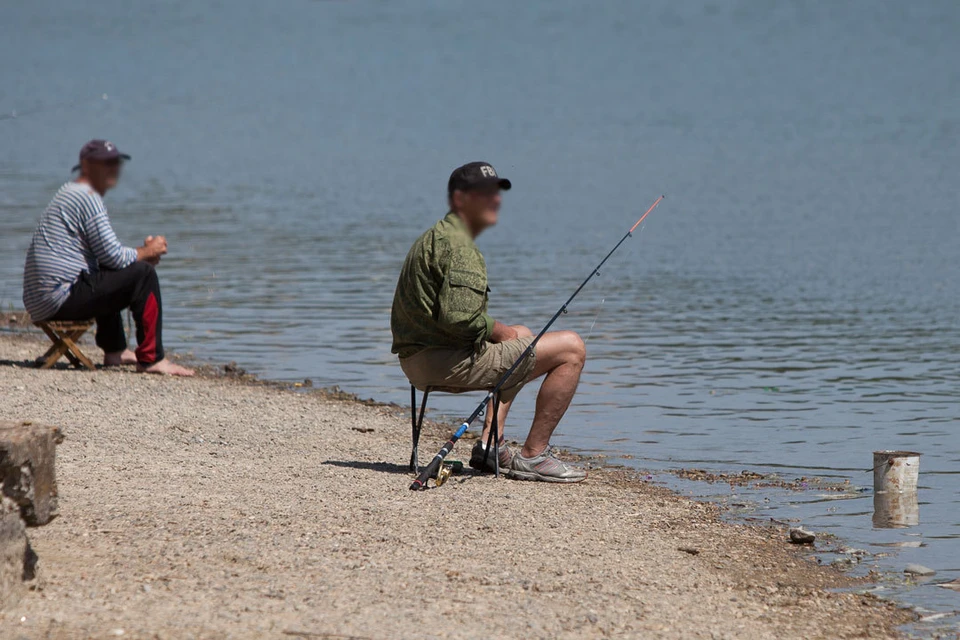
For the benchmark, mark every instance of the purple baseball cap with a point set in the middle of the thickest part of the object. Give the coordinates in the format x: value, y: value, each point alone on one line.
x: 101, y: 151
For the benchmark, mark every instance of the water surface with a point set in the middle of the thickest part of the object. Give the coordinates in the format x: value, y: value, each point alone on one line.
x: 792, y: 306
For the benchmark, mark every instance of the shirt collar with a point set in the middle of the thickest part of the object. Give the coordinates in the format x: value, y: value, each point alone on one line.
x: 457, y: 222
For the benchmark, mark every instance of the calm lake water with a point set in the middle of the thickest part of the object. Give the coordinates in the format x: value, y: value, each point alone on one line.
x: 792, y: 306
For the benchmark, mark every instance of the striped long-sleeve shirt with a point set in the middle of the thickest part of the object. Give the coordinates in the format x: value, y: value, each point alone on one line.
x: 74, y: 235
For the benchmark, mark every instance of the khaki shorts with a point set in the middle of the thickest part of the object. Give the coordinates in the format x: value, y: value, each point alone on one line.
x: 463, y: 369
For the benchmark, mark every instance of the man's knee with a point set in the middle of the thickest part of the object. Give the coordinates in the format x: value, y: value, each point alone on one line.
x: 522, y: 331
x: 144, y: 270
x: 577, y: 347
x: 573, y: 348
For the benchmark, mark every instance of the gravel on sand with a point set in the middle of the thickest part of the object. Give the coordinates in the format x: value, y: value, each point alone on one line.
x: 208, y: 508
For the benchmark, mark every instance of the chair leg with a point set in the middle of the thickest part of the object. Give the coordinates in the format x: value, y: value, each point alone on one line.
x: 415, y: 435
x: 493, y: 438
x: 55, y: 352
x: 73, y: 351
x: 72, y: 359
x: 413, y: 428
x: 417, y: 421
x: 495, y: 432
x: 46, y: 355
x: 69, y: 338
x: 58, y: 351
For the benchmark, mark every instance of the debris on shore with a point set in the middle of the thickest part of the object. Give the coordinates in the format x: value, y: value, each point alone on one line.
x: 798, y: 535
x: 756, y: 480
x: 919, y: 570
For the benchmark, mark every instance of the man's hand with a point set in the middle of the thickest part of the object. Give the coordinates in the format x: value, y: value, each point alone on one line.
x: 153, y: 247
x: 502, y: 332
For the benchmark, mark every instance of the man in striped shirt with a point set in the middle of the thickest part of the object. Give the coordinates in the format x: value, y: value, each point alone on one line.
x: 77, y: 269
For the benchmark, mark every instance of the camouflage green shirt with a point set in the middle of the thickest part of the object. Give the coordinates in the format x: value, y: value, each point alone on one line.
x: 441, y: 297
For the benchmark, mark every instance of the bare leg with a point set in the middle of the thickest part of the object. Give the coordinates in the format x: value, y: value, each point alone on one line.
x: 501, y: 419
x: 522, y: 332
x: 561, y: 356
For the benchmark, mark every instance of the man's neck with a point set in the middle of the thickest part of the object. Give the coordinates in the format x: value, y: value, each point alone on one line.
x: 466, y: 222
x: 85, y: 180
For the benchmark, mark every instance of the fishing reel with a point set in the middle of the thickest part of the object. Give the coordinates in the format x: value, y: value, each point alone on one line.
x: 447, y: 469
x: 443, y: 474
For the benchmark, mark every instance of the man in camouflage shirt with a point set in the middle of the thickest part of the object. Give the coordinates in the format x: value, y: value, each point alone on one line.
x: 445, y: 337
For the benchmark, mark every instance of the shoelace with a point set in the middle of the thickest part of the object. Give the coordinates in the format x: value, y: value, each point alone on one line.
x: 550, y: 454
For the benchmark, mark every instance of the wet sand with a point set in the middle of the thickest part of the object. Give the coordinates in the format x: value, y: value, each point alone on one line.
x: 217, y: 508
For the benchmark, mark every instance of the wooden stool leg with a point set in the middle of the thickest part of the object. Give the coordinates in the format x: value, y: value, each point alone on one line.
x: 81, y: 356
x: 69, y: 352
x: 55, y: 352
x: 46, y: 355
x: 72, y: 359
x: 58, y: 353
x: 76, y: 356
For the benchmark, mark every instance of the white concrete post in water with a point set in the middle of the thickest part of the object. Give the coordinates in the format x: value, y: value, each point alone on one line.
x: 895, y: 477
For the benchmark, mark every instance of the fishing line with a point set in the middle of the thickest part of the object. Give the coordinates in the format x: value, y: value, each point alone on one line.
x: 594, y: 323
x: 606, y: 288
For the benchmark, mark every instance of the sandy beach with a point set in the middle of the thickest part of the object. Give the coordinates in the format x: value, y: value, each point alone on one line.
x: 216, y: 508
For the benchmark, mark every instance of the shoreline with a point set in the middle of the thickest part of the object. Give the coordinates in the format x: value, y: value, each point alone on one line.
x: 232, y: 506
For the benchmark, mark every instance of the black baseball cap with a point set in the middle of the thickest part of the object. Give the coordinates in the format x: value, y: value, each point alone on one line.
x: 475, y: 175
x: 101, y: 151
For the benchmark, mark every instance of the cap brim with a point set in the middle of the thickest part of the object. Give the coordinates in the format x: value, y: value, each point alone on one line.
x: 501, y: 183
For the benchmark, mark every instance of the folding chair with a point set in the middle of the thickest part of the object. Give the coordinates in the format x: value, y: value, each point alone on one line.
x: 64, y: 335
x: 493, y: 439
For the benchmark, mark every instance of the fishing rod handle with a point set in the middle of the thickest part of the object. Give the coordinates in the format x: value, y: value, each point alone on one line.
x: 421, y: 482
x: 430, y: 469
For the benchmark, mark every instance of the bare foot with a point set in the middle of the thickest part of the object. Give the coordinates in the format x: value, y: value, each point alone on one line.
x: 119, y: 357
x: 165, y: 367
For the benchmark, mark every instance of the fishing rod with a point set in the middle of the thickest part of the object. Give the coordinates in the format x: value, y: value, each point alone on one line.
x: 434, y: 466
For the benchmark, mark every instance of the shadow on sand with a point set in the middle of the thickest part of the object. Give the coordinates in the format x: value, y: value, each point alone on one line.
x: 383, y: 467
x: 29, y: 364
x: 398, y: 469
x: 63, y: 365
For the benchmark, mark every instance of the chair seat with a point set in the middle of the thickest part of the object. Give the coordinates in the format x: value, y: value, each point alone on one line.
x: 67, y: 325
x: 453, y: 390
x: 64, y: 335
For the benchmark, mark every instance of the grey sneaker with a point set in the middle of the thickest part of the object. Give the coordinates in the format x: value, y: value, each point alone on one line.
x: 546, y: 467
x: 477, y: 455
